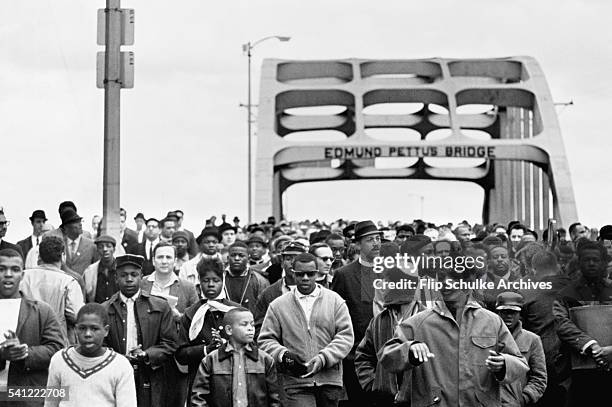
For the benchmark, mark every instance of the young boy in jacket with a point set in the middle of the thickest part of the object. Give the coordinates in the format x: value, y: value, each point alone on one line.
x: 529, y: 389
x: 237, y: 374
x: 309, y: 331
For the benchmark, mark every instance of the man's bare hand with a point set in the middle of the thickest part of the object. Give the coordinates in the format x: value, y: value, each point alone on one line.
x: 314, y: 365
x: 603, y: 355
x: 12, y: 348
x: 495, y: 362
x: 421, y: 352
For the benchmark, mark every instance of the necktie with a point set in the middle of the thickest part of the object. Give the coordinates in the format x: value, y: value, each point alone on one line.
x: 37, y: 240
x: 72, y: 248
x: 150, y: 250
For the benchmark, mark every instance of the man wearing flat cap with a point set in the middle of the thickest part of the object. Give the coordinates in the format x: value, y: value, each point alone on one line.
x: 80, y: 250
x: 530, y: 388
x: 259, y: 260
x: 37, y: 220
x: 285, y: 284
x: 100, y: 277
x: 142, y: 328
x: 355, y: 284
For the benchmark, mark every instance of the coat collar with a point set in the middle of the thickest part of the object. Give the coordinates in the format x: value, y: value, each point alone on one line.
x: 252, y: 353
x: 440, y: 306
x: 516, y: 332
x: 116, y: 301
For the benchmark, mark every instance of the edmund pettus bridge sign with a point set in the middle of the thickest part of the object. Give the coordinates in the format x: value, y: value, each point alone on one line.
x: 513, y: 147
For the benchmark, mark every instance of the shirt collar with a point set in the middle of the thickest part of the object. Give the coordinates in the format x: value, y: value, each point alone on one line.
x: 315, y: 293
x: 154, y: 242
x: 151, y: 277
x: 124, y: 299
x: 365, y: 263
x: 76, y: 241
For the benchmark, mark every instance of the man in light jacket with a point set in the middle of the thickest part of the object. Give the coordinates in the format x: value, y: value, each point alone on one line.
x: 48, y: 283
x: 316, y: 335
x: 459, y: 353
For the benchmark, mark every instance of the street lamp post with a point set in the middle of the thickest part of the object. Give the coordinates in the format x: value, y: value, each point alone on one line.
x: 247, y: 48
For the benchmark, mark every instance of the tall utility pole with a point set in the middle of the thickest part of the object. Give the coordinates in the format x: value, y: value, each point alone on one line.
x: 247, y: 49
x: 115, y: 70
x: 250, y: 143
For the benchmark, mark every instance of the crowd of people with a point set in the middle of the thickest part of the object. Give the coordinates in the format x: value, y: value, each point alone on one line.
x: 296, y: 314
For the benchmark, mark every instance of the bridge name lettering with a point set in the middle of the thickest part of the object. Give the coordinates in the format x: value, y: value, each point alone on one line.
x: 364, y: 152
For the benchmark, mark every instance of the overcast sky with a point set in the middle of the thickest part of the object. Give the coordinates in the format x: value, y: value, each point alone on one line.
x: 184, y: 134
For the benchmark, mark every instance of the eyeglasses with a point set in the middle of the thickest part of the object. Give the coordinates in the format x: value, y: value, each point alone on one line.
x: 326, y: 258
x: 338, y: 249
x: 5, y: 223
x: 300, y: 274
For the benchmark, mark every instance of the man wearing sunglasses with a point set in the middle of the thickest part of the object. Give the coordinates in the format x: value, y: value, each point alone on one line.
x: 308, y: 331
x: 325, y: 259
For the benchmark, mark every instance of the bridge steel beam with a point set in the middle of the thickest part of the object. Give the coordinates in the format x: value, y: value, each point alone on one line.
x: 318, y: 121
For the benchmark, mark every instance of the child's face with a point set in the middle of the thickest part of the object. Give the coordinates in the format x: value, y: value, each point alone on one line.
x: 211, y: 285
x: 90, y: 334
x: 242, y: 329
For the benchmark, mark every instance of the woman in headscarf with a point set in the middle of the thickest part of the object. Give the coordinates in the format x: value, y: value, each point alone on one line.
x: 201, y: 324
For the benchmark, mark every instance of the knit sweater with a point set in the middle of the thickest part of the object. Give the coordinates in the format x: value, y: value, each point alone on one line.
x: 106, y: 380
x: 330, y: 335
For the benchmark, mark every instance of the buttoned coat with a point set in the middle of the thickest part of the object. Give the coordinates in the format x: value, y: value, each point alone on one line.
x: 156, y: 333
x: 530, y: 388
x: 457, y: 376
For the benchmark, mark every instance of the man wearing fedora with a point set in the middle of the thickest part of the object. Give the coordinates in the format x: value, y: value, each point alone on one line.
x: 227, y: 233
x: 37, y: 220
x: 355, y: 284
x: 140, y: 221
x: 80, y: 250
